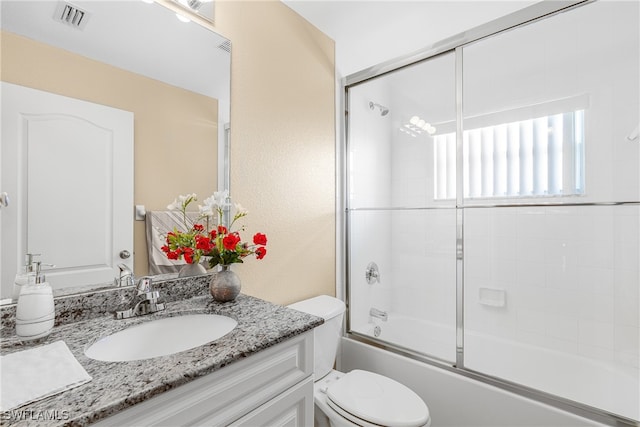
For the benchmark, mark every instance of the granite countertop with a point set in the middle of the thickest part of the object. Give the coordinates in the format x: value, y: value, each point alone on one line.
x: 119, y: 385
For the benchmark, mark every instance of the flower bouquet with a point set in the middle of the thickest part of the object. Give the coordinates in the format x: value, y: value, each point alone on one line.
x: 208, y: 237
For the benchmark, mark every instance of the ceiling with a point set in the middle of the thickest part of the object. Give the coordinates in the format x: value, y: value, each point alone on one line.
x: 144, y: 38
x: 369, y: 32
x: 366, y: 32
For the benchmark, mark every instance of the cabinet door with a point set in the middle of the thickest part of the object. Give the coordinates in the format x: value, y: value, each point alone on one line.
x: 292, y: 408
x: 234, y: 391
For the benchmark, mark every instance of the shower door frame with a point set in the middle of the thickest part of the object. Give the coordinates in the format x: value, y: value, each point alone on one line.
x: 455, y: 44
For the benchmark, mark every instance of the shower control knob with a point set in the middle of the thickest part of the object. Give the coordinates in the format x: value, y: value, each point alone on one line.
x: 125, y: 254
x: 372, y: 274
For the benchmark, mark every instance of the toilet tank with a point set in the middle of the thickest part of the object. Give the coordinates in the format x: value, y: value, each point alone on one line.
x: 326, y: 336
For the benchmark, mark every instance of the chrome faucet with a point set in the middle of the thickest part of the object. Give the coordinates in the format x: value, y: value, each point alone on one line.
x: 125, y: 278
x: 374, y: 312
x: 145, y: 298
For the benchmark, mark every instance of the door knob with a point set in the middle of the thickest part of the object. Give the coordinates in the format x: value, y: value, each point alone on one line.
x: 4, y: 199
x: 125, y: 254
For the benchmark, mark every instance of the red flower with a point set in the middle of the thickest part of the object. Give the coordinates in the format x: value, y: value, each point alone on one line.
x: 231, y: 241
x: 222, y: 229
x: 165, y: 249
x: 198, y: 227
x: 173, y: 255
x: 188, y: 255
x: 213, y: 234
x: 203, y: 243
x: 261, y: 252
x: 260, y: 239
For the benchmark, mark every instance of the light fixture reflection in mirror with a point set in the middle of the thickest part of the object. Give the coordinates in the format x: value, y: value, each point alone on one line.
x: 204, y: 8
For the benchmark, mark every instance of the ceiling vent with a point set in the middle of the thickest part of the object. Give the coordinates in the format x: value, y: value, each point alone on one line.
x: 226, y: 46
x: 71, y: 15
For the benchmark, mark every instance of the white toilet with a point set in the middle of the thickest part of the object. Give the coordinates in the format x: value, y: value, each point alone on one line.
x: 357, y: 398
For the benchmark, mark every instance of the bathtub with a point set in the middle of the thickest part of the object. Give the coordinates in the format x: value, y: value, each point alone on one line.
x: 594, y: 383
x: 436, y: 340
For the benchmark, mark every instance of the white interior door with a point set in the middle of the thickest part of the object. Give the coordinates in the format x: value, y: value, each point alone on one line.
x: 67, y: 166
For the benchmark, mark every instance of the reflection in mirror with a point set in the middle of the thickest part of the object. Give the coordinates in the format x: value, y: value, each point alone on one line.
x: 172, y: 77
x: 202, y: 8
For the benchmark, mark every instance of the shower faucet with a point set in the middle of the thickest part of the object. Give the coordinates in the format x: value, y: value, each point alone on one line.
x: 383, y: 110
x: 372, y: 274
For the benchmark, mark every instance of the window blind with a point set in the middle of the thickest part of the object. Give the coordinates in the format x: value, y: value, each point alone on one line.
x: 541, y: 156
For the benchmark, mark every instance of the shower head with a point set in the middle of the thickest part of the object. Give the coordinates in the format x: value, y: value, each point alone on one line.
x: 383, y: 110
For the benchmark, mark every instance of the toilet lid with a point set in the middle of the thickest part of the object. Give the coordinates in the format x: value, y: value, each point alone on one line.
x: 378, y: 400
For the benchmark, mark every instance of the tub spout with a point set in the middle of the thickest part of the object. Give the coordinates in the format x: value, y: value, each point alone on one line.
x: 374, y: 312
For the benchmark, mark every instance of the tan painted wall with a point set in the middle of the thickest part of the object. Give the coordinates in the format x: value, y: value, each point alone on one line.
x: 283, y: 138
x: 283, y: 146
x: 175, y: 130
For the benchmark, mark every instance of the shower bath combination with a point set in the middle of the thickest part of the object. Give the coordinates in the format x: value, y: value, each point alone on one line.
x: 506, y: 235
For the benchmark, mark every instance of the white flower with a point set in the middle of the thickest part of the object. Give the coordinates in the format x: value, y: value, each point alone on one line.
x: 181, y: 201
x: 174, y: 205
x: 206, y: 210
x: 210, y: 202
x: 221, y: 198
x: 240, y: 211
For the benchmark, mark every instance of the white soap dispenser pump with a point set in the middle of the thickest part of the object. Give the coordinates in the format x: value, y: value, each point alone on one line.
x: 23, y: 277
x: 35, y: 313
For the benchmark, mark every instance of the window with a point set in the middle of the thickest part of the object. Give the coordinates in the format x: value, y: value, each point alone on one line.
x: 543, y: 156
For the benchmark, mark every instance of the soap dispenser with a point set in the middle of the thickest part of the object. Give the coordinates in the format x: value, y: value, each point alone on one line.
x: 35, y: 312
x: 23, y: 277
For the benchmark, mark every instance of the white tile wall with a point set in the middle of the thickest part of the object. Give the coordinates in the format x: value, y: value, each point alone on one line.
x: 570, y: 273
x: 415, y: 250
x: 370, y: 240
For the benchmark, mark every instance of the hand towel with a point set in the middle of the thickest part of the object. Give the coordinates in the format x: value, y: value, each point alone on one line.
x: 31, y: 375
x: 158, y: 224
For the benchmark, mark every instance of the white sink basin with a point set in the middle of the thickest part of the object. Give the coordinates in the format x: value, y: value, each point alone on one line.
x: 161, y: 337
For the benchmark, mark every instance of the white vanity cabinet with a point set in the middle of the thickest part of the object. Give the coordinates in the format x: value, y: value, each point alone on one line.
x: 273, y: 387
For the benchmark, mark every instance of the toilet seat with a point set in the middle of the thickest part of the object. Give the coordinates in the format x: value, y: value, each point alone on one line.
x: 372, y: 400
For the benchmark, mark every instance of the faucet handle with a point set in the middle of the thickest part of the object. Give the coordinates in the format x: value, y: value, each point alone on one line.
x: 144, y: 285
x: 372, y: 274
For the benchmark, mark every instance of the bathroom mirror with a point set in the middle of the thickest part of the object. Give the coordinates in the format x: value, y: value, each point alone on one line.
x: 172, y: 73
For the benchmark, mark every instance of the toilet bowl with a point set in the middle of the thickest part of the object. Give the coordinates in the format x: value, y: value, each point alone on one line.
x: 356, y: 398
x: 362, y: 398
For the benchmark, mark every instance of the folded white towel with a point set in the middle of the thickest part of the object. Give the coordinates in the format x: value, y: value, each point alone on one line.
x: 31, y: 375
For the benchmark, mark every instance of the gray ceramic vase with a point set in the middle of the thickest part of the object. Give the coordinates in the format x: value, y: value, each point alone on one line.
x: 225, y: 285
x: 192, y: 270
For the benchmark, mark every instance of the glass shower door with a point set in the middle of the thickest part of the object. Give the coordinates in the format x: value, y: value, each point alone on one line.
x: 401, y: 224
x: 541, y: 192
x: 551, y: 213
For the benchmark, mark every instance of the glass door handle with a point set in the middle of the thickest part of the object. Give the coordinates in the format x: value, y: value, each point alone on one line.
x: 4, y: 199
